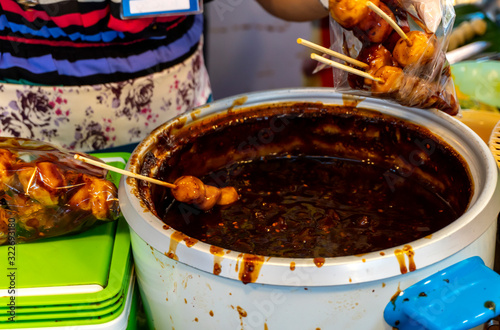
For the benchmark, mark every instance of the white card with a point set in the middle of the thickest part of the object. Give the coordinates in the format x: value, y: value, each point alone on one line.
x: 142, y: 8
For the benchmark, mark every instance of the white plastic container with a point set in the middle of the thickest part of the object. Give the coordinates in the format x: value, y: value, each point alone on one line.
x: 346, y: 292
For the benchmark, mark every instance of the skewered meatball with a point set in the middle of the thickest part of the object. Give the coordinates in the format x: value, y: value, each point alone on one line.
x: 373, y: 28
x: 349, y: 13
x: 393, y: 38
x: 97, y: 196
x: 376, y: 56
x: 42, y: 182
x: 189, y: 189
x: 392, y: 78
x: 103, y: 201
x: 422, y: 49
x: 413, y: 91
x: 81, y: 198
x: 228, y: 196
x: 7, y: 159
x: 212, y: 195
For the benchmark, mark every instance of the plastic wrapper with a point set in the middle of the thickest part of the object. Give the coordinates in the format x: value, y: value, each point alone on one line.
x: 414, y: 73
x: 45, y: 192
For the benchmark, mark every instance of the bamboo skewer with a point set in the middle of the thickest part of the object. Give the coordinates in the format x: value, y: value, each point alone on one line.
x: 330, y: 52
x: 127, y: 173
x: 389, y: 20
x: 344, y: 67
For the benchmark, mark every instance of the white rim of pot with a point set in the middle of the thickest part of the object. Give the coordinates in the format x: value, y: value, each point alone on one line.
x: 371, y: 266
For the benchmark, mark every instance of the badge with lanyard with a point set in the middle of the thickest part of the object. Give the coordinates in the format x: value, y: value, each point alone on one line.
x: 147, y: 8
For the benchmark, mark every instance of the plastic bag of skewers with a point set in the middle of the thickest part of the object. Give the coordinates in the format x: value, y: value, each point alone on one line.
x: 45, y: 192
x: 396, y: 50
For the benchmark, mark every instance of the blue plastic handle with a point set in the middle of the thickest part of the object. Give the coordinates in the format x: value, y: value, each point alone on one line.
x: 462, y: 296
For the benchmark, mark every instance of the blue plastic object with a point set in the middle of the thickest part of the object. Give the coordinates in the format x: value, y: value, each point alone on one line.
x: 462, y: 296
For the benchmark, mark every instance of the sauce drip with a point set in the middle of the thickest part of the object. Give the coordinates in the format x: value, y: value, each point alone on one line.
x: 218, y: 256
x: 319, y: 262
x: 400, y: 256
x: 175, y: 238
x: 250, y: 268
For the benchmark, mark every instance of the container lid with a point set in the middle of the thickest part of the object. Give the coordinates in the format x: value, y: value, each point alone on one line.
x: 73, y: 271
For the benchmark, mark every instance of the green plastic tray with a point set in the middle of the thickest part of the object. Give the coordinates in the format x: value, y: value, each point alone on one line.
x: 95, y: 306
x: 76, y: 319
x: 74, y: 313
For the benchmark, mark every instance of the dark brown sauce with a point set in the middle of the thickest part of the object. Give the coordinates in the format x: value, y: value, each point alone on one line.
x: 241, y: 311
x: 218, y: 256
x: 317, y: 207
x: 319, y: 262
x: 401, y: 260
x: 175, y: 238
x: 217, y: 268
x: 400, y: 256
x: 250, y: 268
x: 320, y: 182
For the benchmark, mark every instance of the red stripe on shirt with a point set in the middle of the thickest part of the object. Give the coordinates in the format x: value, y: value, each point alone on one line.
x: 62, y: 21
x: 88, y: 19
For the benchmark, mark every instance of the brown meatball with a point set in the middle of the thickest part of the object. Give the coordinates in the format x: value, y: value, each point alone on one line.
x: 228, y: 195
x: 392, y: 78
x: 373, y: 28
x: 422, y: 49
x: 189, y: 189
x: 212, y: 195
x: 43, y: 182
x: 7, y: 159
x: 349, y: 13
x: 376, y: 56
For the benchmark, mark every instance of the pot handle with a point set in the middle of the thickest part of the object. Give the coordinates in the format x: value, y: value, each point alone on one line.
x: 462, y: 296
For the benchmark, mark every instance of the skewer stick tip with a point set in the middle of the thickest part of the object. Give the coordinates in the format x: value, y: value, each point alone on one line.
x: 344, y: 67
x: 332, y: 53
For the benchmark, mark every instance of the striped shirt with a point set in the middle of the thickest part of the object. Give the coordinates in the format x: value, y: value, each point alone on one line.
x: 82, y: 42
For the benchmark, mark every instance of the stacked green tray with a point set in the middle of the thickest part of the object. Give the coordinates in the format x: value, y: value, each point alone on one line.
x: 83, y: 280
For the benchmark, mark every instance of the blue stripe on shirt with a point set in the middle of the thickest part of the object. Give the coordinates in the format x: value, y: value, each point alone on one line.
x: 56, y: 32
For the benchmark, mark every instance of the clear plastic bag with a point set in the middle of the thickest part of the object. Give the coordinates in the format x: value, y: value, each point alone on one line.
x: 414, y: 74
x: 45, y: 192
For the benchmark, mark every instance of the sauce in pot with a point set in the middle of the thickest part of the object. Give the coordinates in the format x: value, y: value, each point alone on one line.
x: 316, y: 207
x: 315, y: 181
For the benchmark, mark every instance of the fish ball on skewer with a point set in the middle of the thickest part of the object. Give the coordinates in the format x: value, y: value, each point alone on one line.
x: 212, y: 195
x: 349, y: 13
x: 422, y: 49
x: 392, y: 78
x: 189, y: 189
x: 228, y: 196
x: 373, y: 28
x: 413, y: 91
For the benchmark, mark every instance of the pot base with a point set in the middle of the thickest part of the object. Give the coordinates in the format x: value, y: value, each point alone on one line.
x: 179, y: 296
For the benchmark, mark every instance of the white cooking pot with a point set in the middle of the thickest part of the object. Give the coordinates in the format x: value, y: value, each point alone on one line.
x: 346, y: 292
